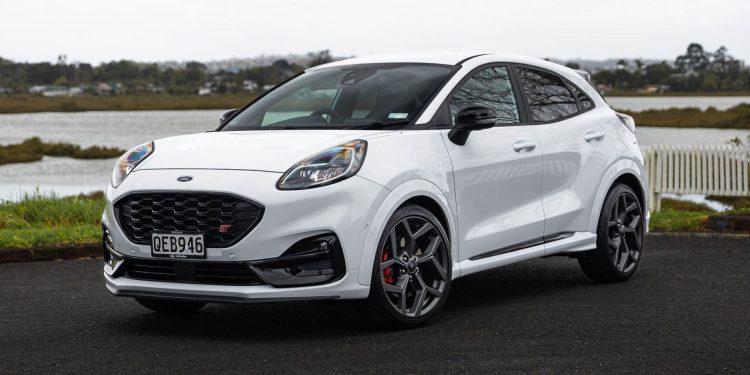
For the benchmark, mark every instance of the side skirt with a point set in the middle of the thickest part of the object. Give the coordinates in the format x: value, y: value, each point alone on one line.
x: 524, y: 245
x: 564, y: 242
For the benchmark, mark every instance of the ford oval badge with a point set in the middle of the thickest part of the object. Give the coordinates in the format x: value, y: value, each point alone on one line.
x: 184, y: 178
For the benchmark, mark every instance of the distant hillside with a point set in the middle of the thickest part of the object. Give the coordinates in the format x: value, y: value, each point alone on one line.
x: 594, y: 66
x: 237, y: 64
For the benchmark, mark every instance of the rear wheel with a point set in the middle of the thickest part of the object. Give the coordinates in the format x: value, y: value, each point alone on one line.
x: 619, y: 238
x: 169, y: 307
x: 412, y: 270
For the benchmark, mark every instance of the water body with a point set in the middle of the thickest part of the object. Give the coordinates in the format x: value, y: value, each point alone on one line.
x: 126, y: 129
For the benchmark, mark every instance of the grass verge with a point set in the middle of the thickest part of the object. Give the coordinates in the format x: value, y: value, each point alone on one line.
x: 40, y: 220
x: 677, y: 215
x: 28, y: 104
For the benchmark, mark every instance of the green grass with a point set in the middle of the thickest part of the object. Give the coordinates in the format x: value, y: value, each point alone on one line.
x: 28, y: 104
x: 33, y: 149
x: 22, y: 238
x: 737, y: 117
x: 40, y: 220
x: 669, y: 219
x: 678, y: 215
x: 735, y: 202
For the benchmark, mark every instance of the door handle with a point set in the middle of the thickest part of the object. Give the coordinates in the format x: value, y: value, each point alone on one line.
x: 593, y: 135
x: 523, y: 145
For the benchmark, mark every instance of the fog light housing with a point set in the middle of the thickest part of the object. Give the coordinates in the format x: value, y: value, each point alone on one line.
x: 112, y: 259
x: 311, y: 261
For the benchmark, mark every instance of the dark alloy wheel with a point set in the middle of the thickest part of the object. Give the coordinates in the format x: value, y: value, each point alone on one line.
x: 412, y: 272
x: 619, y: 238
x: 169, y: 307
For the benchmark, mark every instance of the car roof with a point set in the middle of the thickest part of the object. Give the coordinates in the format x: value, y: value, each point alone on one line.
x: 432, y: 57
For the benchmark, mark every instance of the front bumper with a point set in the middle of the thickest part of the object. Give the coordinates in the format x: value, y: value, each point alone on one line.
x: 345, y: 288
x: 344, y: 209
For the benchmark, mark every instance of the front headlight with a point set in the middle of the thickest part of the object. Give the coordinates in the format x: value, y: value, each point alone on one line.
x: 130, y: 160
x: 332, y: 165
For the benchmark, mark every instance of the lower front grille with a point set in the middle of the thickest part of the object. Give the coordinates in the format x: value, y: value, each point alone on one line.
x: 216, y: 273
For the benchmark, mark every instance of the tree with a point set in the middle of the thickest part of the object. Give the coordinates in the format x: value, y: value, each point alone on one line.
x: 61, y: 81
x: 319, y: 58
x: 695, y: 59
x: 658, y: 73
x: 722, y: 61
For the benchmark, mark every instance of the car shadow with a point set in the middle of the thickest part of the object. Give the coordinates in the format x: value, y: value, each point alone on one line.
x: 528, y: 280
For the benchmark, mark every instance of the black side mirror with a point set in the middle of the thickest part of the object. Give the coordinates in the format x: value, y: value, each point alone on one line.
x: 227, y: 114
x: 471, y: 118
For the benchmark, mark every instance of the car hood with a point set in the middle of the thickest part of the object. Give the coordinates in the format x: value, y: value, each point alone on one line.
x: 261, y: 150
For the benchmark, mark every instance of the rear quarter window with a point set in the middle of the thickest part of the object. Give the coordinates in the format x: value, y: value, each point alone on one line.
x: 548, y: 96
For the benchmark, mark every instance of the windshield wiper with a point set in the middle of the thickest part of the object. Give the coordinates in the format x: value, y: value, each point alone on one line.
x: 379, y: 124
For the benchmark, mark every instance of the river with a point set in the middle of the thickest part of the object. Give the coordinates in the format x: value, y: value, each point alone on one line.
x: 125, y: 129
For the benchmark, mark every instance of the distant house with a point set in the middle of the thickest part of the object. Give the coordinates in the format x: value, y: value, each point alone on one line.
x: 155, y: 89
x: 51, y: 90
x: 654, y: 89
x: 681, y: 76
x: 206, y: 89
x: 5, y: 90
x: 103, y: 89
x: 249, y: 85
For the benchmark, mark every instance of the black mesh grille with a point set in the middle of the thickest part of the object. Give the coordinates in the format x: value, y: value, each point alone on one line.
x: 224, y: 219
x: 217, y: 273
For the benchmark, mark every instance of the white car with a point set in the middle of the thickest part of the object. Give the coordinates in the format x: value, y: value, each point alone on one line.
x: 382, y: 178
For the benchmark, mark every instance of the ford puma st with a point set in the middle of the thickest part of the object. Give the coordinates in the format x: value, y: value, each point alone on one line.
x: 382, y: 178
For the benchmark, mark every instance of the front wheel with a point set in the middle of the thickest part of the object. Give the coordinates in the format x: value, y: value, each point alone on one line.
x: 169, y: 307
x: 619, y: 241
x: 412, y: 269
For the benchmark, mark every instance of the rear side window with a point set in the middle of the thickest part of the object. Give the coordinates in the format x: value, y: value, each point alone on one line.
x: 583, y: 100
x: 490, y: 87
x: 549, y: 98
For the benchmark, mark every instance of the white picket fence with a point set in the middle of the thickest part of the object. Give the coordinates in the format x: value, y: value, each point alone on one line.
x: 697, y: 169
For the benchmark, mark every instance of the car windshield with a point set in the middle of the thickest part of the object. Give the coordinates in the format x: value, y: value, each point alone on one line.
x: 353, y: 96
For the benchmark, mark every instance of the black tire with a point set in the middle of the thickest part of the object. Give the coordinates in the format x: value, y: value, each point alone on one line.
x: 619, y: 238
x: 168, y: 306
x: 421, y: 269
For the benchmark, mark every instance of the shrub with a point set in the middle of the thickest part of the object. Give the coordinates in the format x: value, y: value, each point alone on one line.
x: 33, y: 149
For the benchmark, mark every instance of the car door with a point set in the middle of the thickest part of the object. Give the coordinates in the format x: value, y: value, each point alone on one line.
x: 574, y: 141
x: 498, y: 172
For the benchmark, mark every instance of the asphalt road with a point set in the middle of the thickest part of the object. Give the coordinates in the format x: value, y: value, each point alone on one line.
x: 687, y: 310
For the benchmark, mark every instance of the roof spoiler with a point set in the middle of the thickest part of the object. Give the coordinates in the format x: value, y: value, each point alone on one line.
x: 584, y: 74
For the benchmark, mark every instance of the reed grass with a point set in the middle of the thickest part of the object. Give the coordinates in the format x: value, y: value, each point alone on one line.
x: 33, y: 149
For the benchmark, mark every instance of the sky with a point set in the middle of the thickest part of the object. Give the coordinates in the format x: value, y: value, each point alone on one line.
x: 158, y: 30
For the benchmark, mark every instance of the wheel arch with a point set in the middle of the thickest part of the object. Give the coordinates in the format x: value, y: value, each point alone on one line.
x: 624, y: 171
x: 632, y: 182
x: 420, y: 192
x: 434, y: 207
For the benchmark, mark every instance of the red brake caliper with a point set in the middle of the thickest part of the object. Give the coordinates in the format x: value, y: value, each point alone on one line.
x: 388, y: 271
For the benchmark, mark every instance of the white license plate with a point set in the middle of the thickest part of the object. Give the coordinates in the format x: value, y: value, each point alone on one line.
x: 178, y: 245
